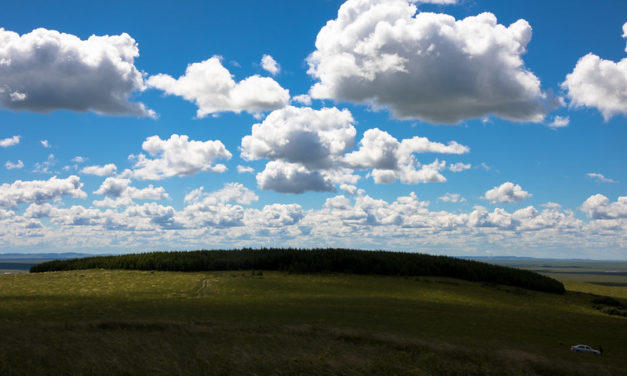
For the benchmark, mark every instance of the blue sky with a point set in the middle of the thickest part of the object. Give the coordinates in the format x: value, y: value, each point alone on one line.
x: 450, y: 127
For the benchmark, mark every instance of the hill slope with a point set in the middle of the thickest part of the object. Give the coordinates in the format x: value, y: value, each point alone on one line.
x: 315, y: 261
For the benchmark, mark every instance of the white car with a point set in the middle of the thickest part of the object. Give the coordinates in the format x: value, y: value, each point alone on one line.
x: 585, y: 348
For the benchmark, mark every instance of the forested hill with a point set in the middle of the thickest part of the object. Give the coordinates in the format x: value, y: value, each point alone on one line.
x: 314, y: 261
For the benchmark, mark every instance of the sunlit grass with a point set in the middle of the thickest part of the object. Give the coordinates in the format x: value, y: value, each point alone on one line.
x: 321, y: 323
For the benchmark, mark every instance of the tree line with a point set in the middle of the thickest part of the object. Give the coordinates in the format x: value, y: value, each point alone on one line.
x: 314, y: 261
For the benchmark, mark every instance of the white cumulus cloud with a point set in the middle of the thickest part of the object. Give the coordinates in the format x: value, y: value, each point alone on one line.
x: 599, y: 83
x: 40, y: 191
x: 314, y: 138
x: 391, y: 159
x: 270, y: 65
x: 216, y: 208
x: 177, y: 156
x: 452, y: 197
x: 123, y: 193
x: 304, y: 99
x: 275, y: 215
x: 459, y: 167
x: 10, y: 141
x: 46, y: 70
x: 507, y: 192
x: 559, y: 122
x: 106, y: 170
x: 245, y: 169
x: 599, y: 207
x: 286, y: 177
x: 426, y: 66
x: 212, y: 88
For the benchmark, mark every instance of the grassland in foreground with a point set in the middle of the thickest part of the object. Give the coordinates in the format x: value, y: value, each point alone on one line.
x: 139, y: 322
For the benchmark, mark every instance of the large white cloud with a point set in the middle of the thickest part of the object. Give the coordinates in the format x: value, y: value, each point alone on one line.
x: 600, y: 84
x: 40, y: 191
x: 308, y: 151
x: 177, y: 156
x: 212, y: 88
x: 305, y: 148
x: 426, y: 66
x: 284, y: 177
x: 46, y: 70
x: 599, y: 207
x: 507, y: 192
x: 313, y: 138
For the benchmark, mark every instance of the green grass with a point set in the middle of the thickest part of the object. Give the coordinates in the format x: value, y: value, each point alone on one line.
x: 134, y: 322
x: 591, y: 277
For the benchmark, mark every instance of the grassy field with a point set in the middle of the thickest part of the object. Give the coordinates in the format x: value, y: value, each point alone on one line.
x: 594, y: 277
x: 133, y: 322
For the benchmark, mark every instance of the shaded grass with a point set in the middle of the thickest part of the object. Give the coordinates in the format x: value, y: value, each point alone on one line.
x: 216, y: 348
x: 129, y: 322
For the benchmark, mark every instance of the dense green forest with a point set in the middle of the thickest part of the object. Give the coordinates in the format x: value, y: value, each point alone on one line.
x: 314, y: 261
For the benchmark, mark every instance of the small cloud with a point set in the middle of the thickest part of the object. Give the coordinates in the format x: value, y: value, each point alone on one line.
x: 439, y: 2
x: 12, y: 166
x: 304, y: 99
x: 348, y: 188
x: 79, y: 159
x: 552, y: 205
x: 269, y: 64
x: 44, y: 167
x: 245, y: 169
x: 106, y: 170
x: 599, y: 178
x: 559, y: 122
x: 459, y: 167
x: 507, y: 192
x: 485, y: 166
x: 5, y: 143
x: 45, y: 143
x: 16, y: 96
x: 452, y: 197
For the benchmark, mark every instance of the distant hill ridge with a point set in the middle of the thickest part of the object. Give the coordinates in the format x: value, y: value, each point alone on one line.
x: 42, y: 256
x: 314, y: 261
